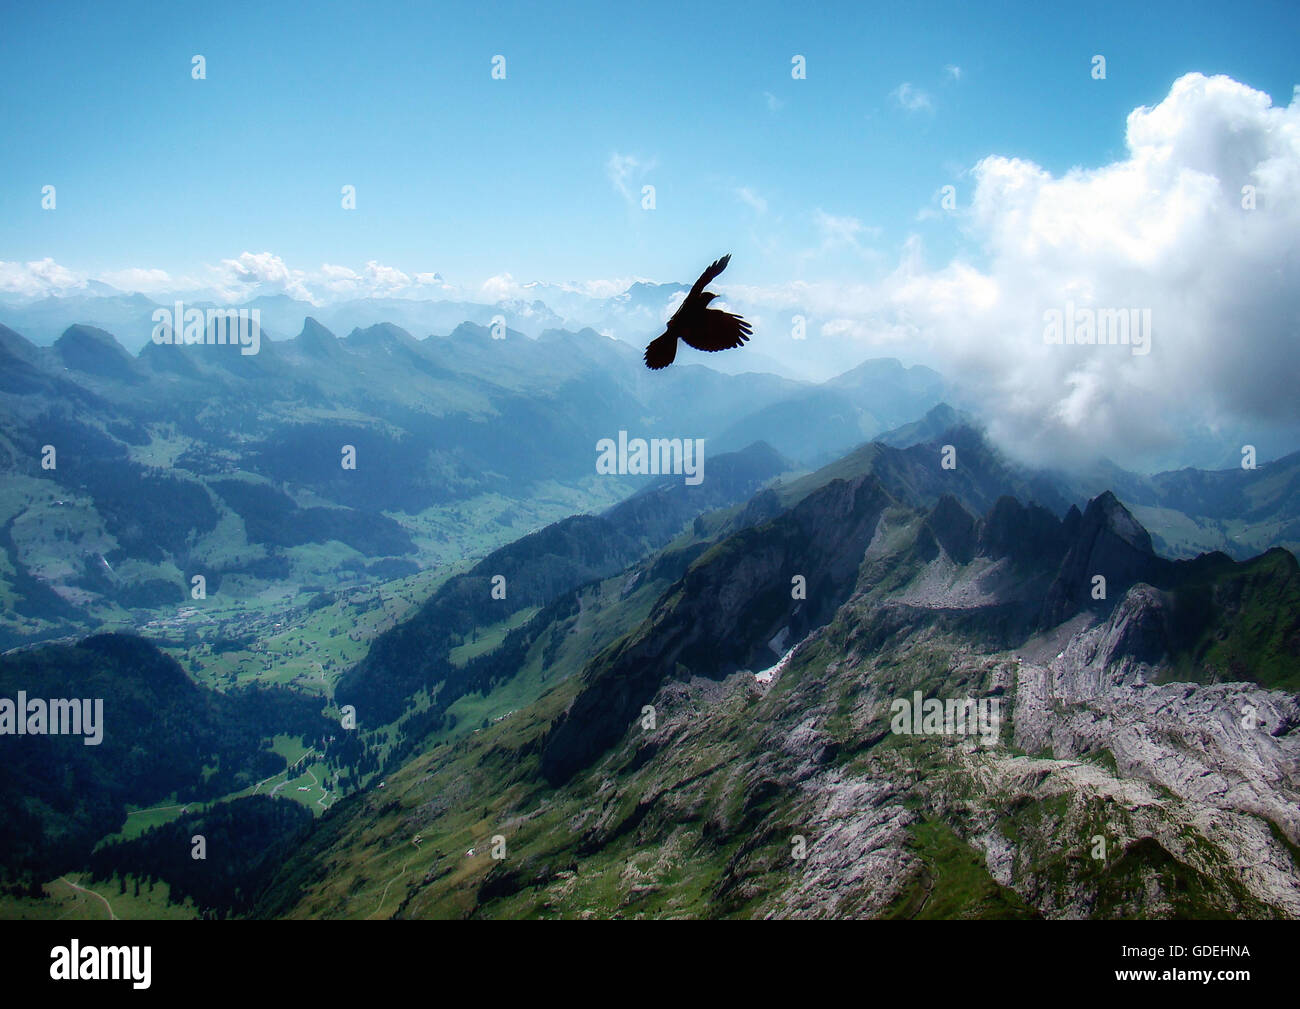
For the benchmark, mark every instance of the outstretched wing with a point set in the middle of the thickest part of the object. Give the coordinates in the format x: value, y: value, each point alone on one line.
x: 692, y: 300
x: 717, y: 330
x: 718, y: 266
x: 661, y: 351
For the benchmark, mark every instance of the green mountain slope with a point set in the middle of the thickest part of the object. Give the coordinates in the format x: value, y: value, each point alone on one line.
x: 164, y: 739
x: 670, y: 778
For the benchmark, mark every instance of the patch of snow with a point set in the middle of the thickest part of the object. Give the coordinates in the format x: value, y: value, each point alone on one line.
x: 769, y: 674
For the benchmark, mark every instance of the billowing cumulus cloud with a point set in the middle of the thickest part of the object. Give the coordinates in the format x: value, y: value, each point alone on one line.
x: 501, y: 287
x: 255, y: 273
x: 1167, y: 229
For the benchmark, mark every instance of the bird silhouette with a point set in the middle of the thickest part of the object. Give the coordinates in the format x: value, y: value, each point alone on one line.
x: 698, y: 325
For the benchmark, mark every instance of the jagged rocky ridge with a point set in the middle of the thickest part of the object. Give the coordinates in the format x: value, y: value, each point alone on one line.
x: 1146, y: 762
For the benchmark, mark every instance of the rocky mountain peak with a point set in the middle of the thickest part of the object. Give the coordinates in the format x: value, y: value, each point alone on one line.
x: 954, y: 528
x: 1106, y: 512
x: 1109, y: 544
x: 316, y: 340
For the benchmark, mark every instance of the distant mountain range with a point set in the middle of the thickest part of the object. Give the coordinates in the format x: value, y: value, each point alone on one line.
x: 641, y: 307
x: 198, y: 460
x: 632, y: 316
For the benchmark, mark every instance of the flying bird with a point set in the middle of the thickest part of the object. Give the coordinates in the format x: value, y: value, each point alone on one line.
x: 701, y: 327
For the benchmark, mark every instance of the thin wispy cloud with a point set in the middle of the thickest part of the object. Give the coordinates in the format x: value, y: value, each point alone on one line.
x: 248, y: 275
x: 141, y: 279
x: 911, y: 98
x: 841, y: 231
x: 626, y: 173
x: 253, y: 274
x: 260, y: 272
x: 750, y: 198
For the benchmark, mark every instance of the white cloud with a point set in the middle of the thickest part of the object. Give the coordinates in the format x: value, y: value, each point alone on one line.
x: 258, y: 273
x: 38, y: 279
x: 385, y: 281
x: 953, y: 71
x: 1162, y: 229
x: 911, y: 98
x: 501, y: 287
x: 774, y: 104
x: 253, y: 274
x: 339, y: 281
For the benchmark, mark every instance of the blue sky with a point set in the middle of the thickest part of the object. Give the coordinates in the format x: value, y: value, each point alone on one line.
x: 471, y: 177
